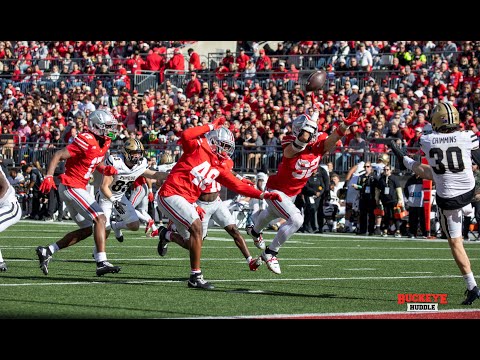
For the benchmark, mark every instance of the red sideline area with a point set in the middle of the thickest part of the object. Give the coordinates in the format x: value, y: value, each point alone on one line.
x: 450, y: 314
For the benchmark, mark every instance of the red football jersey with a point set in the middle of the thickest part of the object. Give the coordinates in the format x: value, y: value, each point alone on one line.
x: 293, y: 173
x: 215, y: 186
x: 198, y: 168
x: 86, y: 154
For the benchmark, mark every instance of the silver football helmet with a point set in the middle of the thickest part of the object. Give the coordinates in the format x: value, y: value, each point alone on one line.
x: 221, y: 142
x: 102, y: 123
x: 305, y: 123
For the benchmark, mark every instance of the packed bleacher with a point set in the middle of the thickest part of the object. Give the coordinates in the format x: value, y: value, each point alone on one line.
x: 157, y: 89
x: 48, y: 88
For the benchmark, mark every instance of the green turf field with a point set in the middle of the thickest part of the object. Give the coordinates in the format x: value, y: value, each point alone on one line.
x: 320, y: 274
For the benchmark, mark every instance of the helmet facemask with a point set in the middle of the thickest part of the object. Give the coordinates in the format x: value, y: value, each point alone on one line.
x: 221, y: 142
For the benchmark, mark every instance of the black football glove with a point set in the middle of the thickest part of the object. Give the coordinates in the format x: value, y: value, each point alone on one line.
x: 399, y: 154
x: 119, y: 206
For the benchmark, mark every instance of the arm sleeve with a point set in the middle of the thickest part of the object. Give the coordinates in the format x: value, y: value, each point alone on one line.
x: 227, y: 179
x: 476, y: 156
x: 189, y: 136
x: 400, y: 195
x: 318, y: 146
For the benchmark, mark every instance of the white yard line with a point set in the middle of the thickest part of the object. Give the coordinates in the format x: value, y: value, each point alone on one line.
x: 114, y: 282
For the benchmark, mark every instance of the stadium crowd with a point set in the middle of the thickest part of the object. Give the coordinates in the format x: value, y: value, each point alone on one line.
x: 50, y: 88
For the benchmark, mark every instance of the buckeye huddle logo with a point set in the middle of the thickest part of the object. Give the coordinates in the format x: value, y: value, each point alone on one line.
x: 422, y: 302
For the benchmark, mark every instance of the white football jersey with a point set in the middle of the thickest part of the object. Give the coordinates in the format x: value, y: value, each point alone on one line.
x: 450, y: 157
x: 125, y: 177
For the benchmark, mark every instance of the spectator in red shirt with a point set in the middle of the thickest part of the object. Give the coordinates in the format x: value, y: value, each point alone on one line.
x: 177, y: 62
x: 228, y: 59
x: 242, y: 60
x: 153, y: 60
x: 262, y: 60
x: 194, y: 86
x: 135, y: 63
x: 194, y: 60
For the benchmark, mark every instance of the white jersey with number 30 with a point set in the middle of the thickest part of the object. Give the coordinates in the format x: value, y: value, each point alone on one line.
x: 450, y: 157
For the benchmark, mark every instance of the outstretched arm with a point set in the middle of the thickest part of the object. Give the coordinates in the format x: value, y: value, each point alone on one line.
x: 60, y: 155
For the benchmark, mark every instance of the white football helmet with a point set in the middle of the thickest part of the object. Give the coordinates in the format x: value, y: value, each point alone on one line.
x: 221, y: 142
x: 102, y: 123
x: 305, y: 123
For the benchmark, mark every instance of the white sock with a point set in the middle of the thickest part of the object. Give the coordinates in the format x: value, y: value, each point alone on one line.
x: 470, y: 280
x: 1, y: 258
x: 154, y: 227
x: 53, y: 248
x: 101, y: 256
x: 408, y: 162
x: 249, y: 259
x: 118, y: 225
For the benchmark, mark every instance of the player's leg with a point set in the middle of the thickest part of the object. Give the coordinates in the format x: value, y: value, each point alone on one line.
x: 89, y: 212
x: 294, y: 219
x: 10, y: 214
x: 188, y: 224
x: 225, y: 219
x: 451, y: 222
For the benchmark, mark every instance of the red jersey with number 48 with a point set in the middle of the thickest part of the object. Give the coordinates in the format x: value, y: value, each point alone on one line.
x: 86, y: 154
x: 198, y: 168
x: 293, y: 173
x: 215, y: 186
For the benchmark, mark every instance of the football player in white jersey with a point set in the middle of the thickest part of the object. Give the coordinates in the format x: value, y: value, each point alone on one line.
x: 449, y: 153
x: 112, y: 191
x: 10, y: 209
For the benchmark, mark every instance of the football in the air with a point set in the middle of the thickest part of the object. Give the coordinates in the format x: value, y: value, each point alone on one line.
x: 316, y: 80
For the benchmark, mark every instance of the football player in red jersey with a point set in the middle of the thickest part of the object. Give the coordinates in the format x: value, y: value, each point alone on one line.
x: 201, y: 163
x: 83, y: 156
x: 302, y: 153
x: 215, y: 208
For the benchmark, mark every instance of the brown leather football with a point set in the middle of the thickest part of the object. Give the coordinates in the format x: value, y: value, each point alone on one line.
x: 316, y: 80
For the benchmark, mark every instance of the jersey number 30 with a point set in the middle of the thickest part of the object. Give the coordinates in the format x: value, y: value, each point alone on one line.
x: 451, y: 154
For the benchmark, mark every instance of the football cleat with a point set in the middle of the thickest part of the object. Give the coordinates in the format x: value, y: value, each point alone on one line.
x: 104, y: 267
x: 3, y: 266
x: 154, y: 233
x: 257, y: 240
x: 471, y: 296
x: 162, y: 241
x: 44, y: 256
x: 272, y: 262
x: 255, y: 263
x: 196, y: 281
